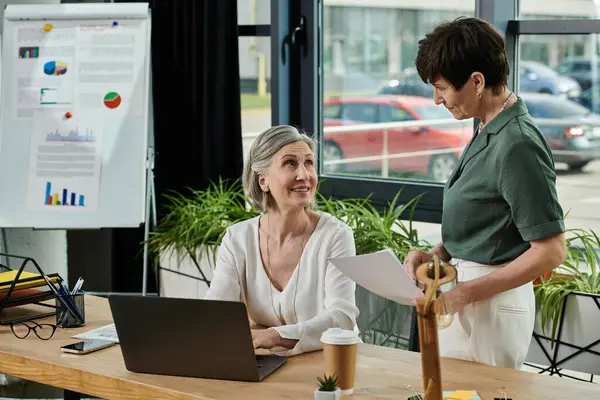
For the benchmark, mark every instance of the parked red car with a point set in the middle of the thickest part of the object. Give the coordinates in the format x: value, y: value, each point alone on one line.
x: 437, y: 148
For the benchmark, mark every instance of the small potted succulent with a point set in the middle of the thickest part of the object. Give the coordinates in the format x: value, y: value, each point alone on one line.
x: 328, y: 389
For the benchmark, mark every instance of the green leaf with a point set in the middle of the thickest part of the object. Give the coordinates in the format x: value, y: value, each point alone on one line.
x: 327, y: 383
x: 196, y: 222
x: 377, y: 228
x: 583, y: 251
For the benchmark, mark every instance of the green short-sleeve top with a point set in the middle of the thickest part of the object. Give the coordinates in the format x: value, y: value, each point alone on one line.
x: 502, y: 194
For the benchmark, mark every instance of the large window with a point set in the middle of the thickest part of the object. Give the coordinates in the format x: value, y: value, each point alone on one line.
x: 380, y: 130
x: 344, y: 71
x: 559, y: 80
x: 254, y: 18
x: 255, y: 81
x: 556, y: 9
x: 379, y: 118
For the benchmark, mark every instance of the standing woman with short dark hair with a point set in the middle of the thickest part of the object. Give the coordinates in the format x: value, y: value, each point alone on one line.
x: 502, y: 224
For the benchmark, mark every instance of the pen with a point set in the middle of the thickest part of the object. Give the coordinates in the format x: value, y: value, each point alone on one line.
x: 64, y: 287
x: 63, y: 292
x: 70, y: 306
x: 75, y: 285
x: 78, y: 286
x: 68, y: 300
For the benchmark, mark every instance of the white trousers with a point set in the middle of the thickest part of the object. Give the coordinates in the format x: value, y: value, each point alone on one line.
x: 496, y: 331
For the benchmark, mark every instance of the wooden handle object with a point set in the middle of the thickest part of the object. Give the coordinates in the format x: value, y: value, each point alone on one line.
x: 433, y: 274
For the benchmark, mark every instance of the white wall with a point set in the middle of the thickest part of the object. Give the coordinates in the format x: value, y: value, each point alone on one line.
x: 48, y: 248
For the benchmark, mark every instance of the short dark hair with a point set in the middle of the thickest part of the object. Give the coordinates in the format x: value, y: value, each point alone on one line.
x: 456, y: 49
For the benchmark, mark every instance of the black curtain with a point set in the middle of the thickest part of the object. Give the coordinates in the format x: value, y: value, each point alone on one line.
x: 197, y: 122
x: 196, y: 88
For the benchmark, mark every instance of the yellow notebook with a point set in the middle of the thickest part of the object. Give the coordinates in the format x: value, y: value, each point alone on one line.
x: 7, y: 278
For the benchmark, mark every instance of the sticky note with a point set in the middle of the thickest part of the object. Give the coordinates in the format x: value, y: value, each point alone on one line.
x: 461, y: 395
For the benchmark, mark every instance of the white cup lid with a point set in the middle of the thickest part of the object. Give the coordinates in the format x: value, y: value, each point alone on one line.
x: 339, y: 336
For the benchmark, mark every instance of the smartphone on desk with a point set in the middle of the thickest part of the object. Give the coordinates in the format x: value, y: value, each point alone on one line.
x: 87, y: 346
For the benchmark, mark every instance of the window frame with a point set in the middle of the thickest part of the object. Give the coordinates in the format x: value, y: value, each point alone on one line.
x: 261, y: 30
x: 299, y: 102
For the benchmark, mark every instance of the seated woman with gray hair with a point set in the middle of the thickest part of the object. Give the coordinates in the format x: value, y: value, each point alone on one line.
x: 277, y: 263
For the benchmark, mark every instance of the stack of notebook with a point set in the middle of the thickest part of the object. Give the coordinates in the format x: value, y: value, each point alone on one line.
x: 30, y: 288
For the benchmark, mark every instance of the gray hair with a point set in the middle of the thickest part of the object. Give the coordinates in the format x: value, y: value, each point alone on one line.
x: 266, y: 145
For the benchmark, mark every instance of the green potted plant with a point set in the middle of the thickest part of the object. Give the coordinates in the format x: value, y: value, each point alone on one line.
x: 568, y: 306
x: 185, y: 243
x: 381, y: 321
x: 375, y: 229
x: 327, y: 388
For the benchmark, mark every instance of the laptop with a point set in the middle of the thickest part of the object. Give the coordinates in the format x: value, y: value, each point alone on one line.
x: 188, y: 337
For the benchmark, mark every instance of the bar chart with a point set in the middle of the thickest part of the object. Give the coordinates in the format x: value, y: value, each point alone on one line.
x: 63, y: 198
x: 29, y: 52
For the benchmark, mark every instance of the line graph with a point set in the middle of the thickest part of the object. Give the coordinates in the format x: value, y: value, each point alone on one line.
x: 73, y: 135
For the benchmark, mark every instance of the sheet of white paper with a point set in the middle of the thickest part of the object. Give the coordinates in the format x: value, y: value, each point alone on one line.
x: 381, y: 273
x: 44, y: 68
x: 65, y: 162
x: 109, y: 65
x: 107, y: 332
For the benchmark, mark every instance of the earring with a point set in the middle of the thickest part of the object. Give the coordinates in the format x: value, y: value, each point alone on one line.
x: 479, y: 95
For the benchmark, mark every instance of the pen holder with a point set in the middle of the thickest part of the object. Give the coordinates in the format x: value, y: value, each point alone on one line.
x: 64, y: 317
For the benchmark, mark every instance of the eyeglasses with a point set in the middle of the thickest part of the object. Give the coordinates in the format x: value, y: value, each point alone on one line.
x: 43, y: 331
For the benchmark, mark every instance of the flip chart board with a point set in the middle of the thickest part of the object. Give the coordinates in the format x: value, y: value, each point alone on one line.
x: 74, y: 115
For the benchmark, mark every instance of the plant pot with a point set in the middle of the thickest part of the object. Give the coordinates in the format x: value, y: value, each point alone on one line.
x: 335, y: 395
x: 556, y: 277
x: 179, y: 275
x: 578, y: 329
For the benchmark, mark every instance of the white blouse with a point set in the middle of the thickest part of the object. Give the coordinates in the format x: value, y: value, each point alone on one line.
x: 317, y: 297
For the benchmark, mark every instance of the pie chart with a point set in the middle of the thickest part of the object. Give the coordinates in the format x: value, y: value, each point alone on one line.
x: 112, y: 100
x: 55, y: 68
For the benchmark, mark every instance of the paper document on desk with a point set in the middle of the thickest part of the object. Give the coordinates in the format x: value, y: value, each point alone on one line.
x: 108, y: 332
x: 381, y: 273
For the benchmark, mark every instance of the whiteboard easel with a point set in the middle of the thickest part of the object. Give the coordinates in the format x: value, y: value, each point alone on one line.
x: 74, y: 139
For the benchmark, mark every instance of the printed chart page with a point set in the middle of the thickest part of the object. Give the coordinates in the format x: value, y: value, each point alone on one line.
x: 44, y: 69
x: 109, y: 64
x: 65, y: 162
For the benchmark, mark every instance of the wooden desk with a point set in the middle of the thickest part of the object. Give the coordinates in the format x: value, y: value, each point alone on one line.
x: 382, y: 373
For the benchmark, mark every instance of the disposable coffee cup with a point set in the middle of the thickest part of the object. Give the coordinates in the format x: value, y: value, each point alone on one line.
x: 339, y: 350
